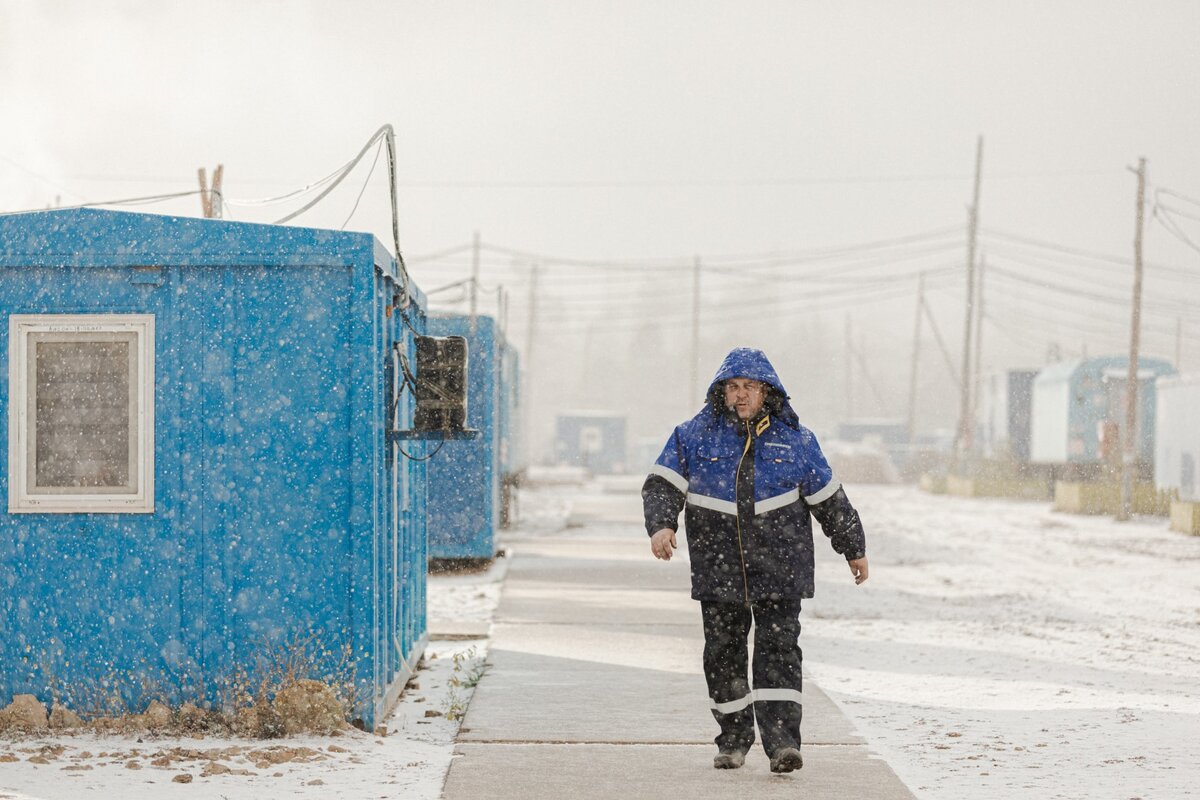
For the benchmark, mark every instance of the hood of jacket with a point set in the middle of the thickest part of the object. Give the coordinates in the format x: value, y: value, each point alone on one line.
x: 747, y: 362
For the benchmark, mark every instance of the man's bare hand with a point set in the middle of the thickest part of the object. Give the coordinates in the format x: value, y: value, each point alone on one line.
x: 858, y: 568
x: 662, y: 543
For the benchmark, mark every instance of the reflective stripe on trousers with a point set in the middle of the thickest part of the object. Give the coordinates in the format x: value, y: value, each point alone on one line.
x: 775, y: 699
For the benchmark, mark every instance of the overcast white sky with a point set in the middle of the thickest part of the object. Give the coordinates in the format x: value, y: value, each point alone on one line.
x: 631, y: 130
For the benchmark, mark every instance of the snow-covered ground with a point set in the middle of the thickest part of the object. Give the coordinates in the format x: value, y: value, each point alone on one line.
x: 999, y: 650
x: 1003, y: 650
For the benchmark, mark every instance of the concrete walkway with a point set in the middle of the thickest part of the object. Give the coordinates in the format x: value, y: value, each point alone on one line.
x: 595, y: 688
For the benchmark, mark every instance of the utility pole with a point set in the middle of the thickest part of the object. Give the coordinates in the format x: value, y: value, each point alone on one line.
x: 1128, y: 439
x: 866, y: 375
x: 527, y: 394
x: 916, y: 354
x: 474, y: 279
x: 529, y: 328
x: 1179, y: 344
x: 941, y: 343
x: 502, y: 311
x: 962, y: 442
x: 694, y: 384
x: 849, y: 371
x: 210, y: 199
x: 205, y: 199
x: 978, y: 365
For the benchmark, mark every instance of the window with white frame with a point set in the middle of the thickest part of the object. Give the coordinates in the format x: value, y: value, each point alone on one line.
x: 81, y: 413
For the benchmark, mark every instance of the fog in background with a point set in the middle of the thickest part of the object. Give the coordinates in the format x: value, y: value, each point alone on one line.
x: 814, y: 158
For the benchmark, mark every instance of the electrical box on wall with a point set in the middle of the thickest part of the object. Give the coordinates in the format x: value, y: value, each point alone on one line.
x: 441, y: 384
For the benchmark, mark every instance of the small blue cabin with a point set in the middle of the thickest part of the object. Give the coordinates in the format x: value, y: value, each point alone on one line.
x: 198, y: 463
x: 1078, y: 410
x: 591, y: 439
x: 470, y: 482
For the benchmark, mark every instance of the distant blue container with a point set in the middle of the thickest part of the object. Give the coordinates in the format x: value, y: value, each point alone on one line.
x: 1076, y: 402
x: 198, y: 467
x: 591, y: 439
x: 467, y: 479
x: 885, y: 431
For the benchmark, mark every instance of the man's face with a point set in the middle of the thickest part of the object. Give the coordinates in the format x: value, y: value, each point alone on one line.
x: 745, y: 396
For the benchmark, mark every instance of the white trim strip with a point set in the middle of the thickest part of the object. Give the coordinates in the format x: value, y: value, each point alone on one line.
x: 733, y: 706
x: 671, y: 476
x: 712, y: 504
x: 829, y: 491
x: 767, y: 695
x: 778, y: 501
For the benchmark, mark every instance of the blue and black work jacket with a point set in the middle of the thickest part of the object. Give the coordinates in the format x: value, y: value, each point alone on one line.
x: 749, y: 487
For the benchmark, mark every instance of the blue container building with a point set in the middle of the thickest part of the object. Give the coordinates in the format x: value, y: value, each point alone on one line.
x: 1078, y: 410
x: 198, y: 466
x: 594, y: 440
x: 469, y: 481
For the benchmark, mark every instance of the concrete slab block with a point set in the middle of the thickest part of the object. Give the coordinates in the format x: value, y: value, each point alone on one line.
x: 1000, y: 486
x: 568, y: 603
x: 619, y: 568
x: 1185, y: 517
x: 532, y: 698
x: 933, y: 483
x: 621, y: 772
x: 1104, y: 497
x: 444, y: 630
x: 528, y: 697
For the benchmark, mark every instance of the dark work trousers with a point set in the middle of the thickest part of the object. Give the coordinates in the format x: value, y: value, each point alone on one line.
x: 775, y: 699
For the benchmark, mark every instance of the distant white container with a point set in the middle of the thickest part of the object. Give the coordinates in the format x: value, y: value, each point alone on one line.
x: 1002, y: 420
x: 1075, y: 402
x: 1177, y: 446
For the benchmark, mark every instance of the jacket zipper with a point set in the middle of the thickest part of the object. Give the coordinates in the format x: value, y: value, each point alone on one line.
x: 737, y: 482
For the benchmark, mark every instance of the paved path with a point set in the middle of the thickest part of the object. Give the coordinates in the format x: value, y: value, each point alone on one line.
x: 595, y: 689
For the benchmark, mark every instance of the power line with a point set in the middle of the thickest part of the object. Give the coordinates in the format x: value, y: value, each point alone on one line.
x: 621, y: 297
x: 1092, y: 255
x: 1015, y: 302
x: 38, y: 175
x: 1167, y: 221
x: 1168, y: 307
x: 358, y: 199
x: 269, y: 201
x: 1175, y: 212
x: 684, y: 263
x: 668, y: 183
x: 439, y: 255
x: 738, y: 313
x: 1179, y: 195
x: 128, y: 201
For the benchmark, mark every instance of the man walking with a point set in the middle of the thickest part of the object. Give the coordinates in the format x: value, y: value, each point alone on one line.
x: 750, y: 475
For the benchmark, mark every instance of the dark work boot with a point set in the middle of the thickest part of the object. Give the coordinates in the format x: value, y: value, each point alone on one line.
x: 786, y: 760
x: 729, y: 759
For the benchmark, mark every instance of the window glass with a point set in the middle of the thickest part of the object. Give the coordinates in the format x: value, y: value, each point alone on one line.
x: 84, y: 428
